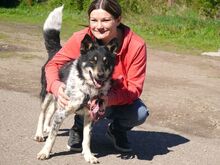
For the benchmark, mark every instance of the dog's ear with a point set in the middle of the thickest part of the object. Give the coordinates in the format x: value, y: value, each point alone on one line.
x: 86, y: 44
x: 113, y: 45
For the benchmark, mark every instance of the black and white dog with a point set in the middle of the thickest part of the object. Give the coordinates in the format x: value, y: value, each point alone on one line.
x: 86, y: 78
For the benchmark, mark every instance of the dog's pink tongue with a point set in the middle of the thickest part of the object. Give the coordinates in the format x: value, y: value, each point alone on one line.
x: 95, y: 112
x: 94, y: 108
x: 98, y: 85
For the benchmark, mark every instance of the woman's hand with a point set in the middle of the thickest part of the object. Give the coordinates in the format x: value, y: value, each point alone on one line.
x: 62, y: 98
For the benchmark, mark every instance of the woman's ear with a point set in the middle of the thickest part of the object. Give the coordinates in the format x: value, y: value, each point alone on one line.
x: 118, y: 20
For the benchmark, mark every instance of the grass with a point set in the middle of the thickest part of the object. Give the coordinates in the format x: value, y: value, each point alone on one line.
x: 5, y: 54
x: 3, y: 36
x: 182, y: 33
x: 178, y: 33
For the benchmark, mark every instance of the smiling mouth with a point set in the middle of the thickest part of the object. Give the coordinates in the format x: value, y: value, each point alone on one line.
x: 97, y: 83
x: 101, y: 31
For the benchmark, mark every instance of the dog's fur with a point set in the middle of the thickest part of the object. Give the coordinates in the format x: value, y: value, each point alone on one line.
x: 86, y: 78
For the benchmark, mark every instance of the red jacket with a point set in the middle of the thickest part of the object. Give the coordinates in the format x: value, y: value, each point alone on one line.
x: 129, y: 72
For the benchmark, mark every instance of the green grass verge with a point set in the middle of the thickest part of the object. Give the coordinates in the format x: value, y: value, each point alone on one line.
x: 178, y: 33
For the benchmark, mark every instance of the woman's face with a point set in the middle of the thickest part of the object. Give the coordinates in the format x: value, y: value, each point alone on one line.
x: 103, y: 25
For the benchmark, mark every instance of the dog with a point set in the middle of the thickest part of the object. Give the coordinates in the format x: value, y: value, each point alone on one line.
x: 86, y: 78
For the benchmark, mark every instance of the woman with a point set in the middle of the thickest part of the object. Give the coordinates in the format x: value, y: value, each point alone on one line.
x: 125, y: 109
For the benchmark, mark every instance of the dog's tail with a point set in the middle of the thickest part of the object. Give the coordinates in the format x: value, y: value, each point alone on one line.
x: 51, y: 33
x: 52, y: 27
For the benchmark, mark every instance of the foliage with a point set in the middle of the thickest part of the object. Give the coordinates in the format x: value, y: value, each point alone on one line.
x: 72, y: 5
x: 206, y: 8
x: 183, y: 33
x: 8, y: 4
x: 179, y: 27
x: 210, y: 8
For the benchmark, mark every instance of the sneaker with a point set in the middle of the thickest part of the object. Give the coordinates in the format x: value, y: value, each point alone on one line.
x: 119, y: 139
x: 75, y: 139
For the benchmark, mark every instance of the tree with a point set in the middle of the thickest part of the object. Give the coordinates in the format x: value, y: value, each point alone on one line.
x: 7, y: 3
x: 170, y: 2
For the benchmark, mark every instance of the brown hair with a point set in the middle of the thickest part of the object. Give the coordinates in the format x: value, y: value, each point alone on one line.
x: 111, y: 6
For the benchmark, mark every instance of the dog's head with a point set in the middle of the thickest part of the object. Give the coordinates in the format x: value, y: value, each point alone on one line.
x: 96, y: 62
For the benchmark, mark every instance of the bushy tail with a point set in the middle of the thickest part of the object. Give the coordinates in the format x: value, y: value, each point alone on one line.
x: 52, y: 27
x: 51, y: 32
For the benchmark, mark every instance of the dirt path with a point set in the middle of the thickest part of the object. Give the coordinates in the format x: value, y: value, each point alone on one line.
x: 182, y: 92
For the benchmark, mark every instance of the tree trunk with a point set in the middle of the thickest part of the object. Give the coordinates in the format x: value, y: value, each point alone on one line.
x: 170, y: 3
x: 29, y: 2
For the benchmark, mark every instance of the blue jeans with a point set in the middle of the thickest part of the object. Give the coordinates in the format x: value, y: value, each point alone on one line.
x: 124, y: 117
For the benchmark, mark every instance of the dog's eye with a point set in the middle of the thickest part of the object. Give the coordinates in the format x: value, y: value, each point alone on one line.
x: 104, y: 60
x: 93, y: 60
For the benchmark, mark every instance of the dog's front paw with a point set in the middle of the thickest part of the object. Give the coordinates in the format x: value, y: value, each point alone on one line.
x: 43, y: 154
x: 90, y: 158
x: 39, y: 138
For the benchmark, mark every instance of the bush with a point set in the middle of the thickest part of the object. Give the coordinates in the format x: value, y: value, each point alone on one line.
x: 8, y: 4
x: 72, y: 5
x: 206, y: 8
x: 145, y: 7
x: 210, y: 8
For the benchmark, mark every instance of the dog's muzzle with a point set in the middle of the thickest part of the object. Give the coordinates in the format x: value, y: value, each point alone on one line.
x: 97, y: 83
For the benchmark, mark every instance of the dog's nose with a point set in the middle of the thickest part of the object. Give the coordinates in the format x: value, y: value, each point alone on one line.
x: 100, y: 75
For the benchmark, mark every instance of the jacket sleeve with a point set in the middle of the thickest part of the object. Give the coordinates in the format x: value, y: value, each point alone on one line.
x: 70, y: 51
x: 134, y: 79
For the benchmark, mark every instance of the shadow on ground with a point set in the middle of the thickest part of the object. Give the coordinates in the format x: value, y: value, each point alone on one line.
x: 145, y: 144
